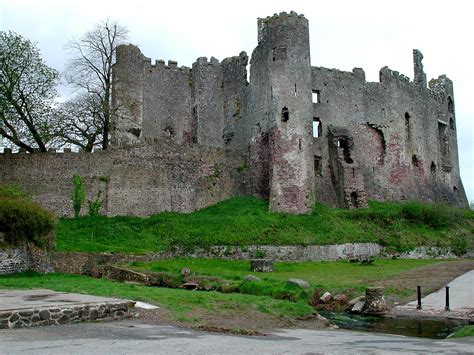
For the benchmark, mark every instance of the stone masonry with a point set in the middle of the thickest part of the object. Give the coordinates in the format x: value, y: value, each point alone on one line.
x: 25, y: 318
x: 186, y: 137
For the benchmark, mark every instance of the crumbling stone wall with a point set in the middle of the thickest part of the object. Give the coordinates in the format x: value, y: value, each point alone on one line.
x: 184, y: 138
x: 403, y: 135
x: 140, y: 180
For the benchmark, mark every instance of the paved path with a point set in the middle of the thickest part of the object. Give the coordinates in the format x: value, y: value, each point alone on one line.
x: 461, y: 298
x: 135, y: 337
x: 27, y: 299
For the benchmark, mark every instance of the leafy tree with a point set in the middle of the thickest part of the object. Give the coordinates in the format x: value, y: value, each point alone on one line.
x: 90, y: 70
x: 79, y: 122
x: 27, y: 90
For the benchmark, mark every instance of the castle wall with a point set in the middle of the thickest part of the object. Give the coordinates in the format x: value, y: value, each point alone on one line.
x: 185, y: 138
x: 284, y: 53
x: 404, y: 141
x: 166, y: 103
x: 140, y: 180
x: 208, y: 101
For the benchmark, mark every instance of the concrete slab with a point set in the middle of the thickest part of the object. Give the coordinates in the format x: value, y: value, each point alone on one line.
x: 42, y: 298
x: 461, y: 299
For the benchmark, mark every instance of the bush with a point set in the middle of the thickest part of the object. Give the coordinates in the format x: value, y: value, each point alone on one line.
x: 77, y: 195
x: 95, y: 206
x: 23, y: 221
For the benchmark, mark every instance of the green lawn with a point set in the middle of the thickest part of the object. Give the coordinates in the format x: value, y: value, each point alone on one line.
x: 246, y: 221
x: 335, y: 276
x: 467, y: 331
x: 192, y: 307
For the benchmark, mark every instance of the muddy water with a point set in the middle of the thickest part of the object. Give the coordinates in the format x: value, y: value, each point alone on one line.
x: 423, y: 328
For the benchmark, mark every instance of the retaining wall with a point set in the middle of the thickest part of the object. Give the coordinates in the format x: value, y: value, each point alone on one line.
x: 26, y: 318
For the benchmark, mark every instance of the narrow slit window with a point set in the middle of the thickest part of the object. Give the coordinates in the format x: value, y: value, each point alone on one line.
x: 315, y: 95
x: 317, y: 128
x: 285, y: 114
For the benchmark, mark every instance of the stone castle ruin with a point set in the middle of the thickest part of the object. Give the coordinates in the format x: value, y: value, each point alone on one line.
x: 184, y: 138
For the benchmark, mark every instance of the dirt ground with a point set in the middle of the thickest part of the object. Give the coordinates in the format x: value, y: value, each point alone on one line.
x: 256, y: 323
x: 431, y: 277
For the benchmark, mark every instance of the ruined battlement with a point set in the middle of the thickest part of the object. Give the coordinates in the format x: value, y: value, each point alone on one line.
x: 184, y: 138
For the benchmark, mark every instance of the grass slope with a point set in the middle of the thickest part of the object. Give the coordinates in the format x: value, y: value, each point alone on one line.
x: 246, y: 221
x: 190, y: 307
x: 335, y: 276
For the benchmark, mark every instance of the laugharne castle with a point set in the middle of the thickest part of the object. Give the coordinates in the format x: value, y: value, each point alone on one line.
x: 184, y: 138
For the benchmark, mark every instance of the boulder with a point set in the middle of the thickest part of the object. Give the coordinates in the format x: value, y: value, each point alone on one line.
x: 358, y: 307
x: 252, y: 278
x: 190, y: 286
x: 325, y: 298
x: 353, y: 301
x: 185, y: 271
x: 341, y: 299
x: 299, y: 283
x: 261, y: 265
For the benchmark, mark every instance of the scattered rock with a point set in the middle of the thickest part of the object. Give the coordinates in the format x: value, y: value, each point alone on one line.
x: 358, y: 307
x: 341, y: 299
x: 190, y: 286
x: 252, y: 278
x: 185, y: 271
x: 261, y: 265
x: 353, y: 301
x: 299, y: 283
x: 325, y: 298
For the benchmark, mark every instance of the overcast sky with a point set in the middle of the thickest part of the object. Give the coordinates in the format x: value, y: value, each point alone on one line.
x: 344, y: 34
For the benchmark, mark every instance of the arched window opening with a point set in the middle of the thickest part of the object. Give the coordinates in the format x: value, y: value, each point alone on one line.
x: 433, y: 167
x: 285, y: 114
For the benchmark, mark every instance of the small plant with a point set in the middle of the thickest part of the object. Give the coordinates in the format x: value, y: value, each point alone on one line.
x: 260, y: 254
x: 95, y: 205
x: 77, y: 195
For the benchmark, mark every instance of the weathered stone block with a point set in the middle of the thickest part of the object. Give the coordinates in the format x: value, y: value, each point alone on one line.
x: 261, y: 265
x: 298, y: 282
x: 375, y: 301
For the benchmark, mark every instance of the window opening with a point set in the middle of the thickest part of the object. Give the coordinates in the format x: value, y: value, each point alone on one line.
x: 285, y: 114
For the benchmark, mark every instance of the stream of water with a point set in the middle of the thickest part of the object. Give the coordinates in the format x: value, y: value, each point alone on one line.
x: 423, y: 328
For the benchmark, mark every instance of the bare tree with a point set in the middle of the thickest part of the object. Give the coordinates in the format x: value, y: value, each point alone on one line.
x: 27, y: 91
x: 90, y: 68
x: 79, y: 122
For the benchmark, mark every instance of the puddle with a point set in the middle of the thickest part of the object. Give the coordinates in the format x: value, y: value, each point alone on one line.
x: 37, y: 297
x: 423, y: 328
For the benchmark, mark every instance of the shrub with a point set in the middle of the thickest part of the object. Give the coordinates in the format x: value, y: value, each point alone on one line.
x: 435, y: 215
x: 23, y: 221
x: 95, y: 206
x: 77, y: 195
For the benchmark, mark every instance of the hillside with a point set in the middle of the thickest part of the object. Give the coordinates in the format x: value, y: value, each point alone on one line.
x: 246, y: 221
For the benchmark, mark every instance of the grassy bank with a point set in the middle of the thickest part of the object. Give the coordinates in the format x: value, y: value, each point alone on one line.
x: 334, y: 276
x: 467, y: 331
x: 201, y: 309
x: 246, y: 221
x: 255, y: 308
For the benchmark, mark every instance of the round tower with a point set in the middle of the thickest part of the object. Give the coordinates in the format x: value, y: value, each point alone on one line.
x: 285, y: 40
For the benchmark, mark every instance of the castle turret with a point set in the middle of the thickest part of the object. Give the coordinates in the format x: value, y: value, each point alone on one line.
x: 284, y: 46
